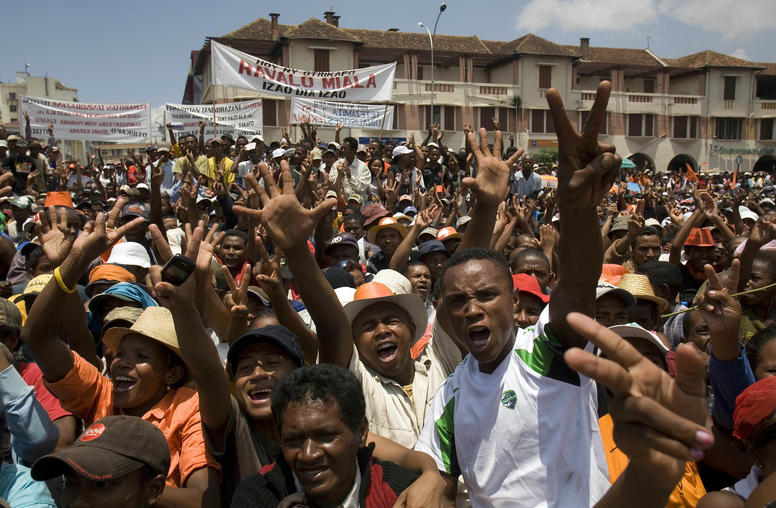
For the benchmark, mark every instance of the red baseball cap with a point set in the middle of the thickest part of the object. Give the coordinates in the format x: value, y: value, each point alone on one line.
x: 525, y: 283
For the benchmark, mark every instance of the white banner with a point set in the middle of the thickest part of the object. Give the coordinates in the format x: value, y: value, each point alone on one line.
x: 365, y: 116
x: 233, y: 118
x: 241, y: 70
x: 122, y: 123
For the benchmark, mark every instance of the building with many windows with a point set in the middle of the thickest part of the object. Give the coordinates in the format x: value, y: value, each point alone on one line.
x: 705, y: 109
x: 35, y: 86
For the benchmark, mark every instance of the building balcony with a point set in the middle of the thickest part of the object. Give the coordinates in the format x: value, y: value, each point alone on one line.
x: 454, y: 93
x: 650, y: 103
x: 763, y: 108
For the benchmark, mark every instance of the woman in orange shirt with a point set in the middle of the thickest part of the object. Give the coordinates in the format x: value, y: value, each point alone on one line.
x: 146, y: 376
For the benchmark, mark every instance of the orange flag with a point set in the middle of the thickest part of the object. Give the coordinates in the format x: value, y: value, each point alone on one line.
x: 735, y: 178
x: 690, y: 176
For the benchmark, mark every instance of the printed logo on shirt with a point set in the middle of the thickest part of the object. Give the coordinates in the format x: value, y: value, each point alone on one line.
x: 93, y: 432
x: 509, y: 399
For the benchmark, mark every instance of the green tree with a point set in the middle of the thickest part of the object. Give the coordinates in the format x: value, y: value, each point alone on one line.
x: 546, y: 156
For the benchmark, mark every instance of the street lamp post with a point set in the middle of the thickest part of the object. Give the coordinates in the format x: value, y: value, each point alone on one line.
x: 431, y: 35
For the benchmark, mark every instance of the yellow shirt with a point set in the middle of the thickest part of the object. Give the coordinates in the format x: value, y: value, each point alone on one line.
x: 224, y: 168
x: 687, y: 492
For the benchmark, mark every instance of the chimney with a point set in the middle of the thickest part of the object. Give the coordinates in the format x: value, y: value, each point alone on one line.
x: 329, y: 15
x: 336, y: 20
x: 273, y: 16
x: 584, y: 47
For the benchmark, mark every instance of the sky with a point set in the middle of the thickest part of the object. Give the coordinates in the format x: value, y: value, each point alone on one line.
x: 139, y: 51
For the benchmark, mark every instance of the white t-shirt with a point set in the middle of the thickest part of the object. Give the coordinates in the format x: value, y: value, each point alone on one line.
x: 524, y: 435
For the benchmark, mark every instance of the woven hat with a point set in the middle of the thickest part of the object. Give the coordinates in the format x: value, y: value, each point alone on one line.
x: 154, y: 323
x: 639, y: 286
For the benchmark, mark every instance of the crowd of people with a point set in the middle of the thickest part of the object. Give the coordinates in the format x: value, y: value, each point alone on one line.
x: 231, y: 322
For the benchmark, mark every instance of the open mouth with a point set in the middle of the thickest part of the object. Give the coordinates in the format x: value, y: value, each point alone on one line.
x: 479, y: 336
x: 123, y: 383
x: 260, y: 396
x: 387, y: 351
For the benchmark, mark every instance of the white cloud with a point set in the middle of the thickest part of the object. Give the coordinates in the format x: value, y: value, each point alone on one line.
x: 732, y: 19
x: 576, y: 15
x: 740, y: 53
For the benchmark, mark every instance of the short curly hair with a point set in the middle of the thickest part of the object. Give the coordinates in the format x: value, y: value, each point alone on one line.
x: 323, y: 382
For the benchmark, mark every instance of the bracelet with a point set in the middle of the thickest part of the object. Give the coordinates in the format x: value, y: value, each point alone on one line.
x: 61, y: 283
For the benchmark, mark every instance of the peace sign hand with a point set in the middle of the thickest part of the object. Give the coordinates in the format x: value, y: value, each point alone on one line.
x: 586, y: 168
x: 722, y: 312
x: 659, y: 420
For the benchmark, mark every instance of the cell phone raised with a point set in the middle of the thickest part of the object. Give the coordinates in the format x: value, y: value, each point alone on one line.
x: 177, y: 270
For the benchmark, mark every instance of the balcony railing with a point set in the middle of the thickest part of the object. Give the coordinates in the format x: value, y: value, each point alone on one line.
x: 655, y: 103
x: 455, y: 93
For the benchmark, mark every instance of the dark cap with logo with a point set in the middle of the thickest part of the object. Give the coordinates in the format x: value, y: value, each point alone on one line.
x: 274, y: 334
x: 342, y: 239
x: 110, y: 448
x: 136, y: 210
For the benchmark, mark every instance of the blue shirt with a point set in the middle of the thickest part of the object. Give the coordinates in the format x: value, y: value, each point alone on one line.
x: 728, y: 380
x: 33, y: 434
x: 19, y: 489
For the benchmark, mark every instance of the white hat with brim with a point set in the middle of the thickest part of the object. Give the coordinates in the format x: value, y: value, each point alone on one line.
x: 154, y: 323
x: 604, y: 288
x: 635, y: 331
x: 412, y: 305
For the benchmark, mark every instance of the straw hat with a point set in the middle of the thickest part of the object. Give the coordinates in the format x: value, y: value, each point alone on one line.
x: 638, y: 285
x: 386, y: 223
x: 154, y: 323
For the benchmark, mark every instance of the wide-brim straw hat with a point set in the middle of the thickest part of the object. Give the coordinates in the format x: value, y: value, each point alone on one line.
x: 638, y: 285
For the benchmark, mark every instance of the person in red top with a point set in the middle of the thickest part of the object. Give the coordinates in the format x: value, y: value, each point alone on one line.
x: 147, y: 375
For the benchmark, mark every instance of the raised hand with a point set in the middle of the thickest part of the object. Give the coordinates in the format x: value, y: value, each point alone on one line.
x: 182, y: 296
x: 286, y: 220
x: 427, y: 217
x: 205, y: 247
x: 763, y: 231
x: 6, y: 179
x: 659, y: 420
x: 237, y: 298
x: 722, y: 312
x: 635, y: 225
x: 586, y: 168
x: 492, y: 183
x: 677, y: 217
x: 548, y: 236
x: 55, y: 237
x: 96, y: 238
x: 159, y: 241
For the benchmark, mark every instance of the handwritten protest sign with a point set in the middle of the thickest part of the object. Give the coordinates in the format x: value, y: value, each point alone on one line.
x: 365, y: 116
x: 233, y: 118
x: 123, y: 123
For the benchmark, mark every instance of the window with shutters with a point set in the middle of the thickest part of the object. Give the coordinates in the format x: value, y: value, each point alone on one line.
x: 727, y: 128
x: 641, y: 125
x: 685, y: 127
x: 449, y: 118
x: 321, y: 60
x: 542, y: 122
x: 269, y: 112
x: 545, y: 76
x: 649, y: 86
x: 766, y: 129
x: 729, y: 93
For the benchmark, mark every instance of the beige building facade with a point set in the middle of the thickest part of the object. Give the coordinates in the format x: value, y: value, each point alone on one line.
x: 709, y: 110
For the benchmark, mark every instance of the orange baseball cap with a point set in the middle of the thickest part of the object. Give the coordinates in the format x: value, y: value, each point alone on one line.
x: 447, y: 233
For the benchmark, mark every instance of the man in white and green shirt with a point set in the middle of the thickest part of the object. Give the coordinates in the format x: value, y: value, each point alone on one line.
x: 513, y: 419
